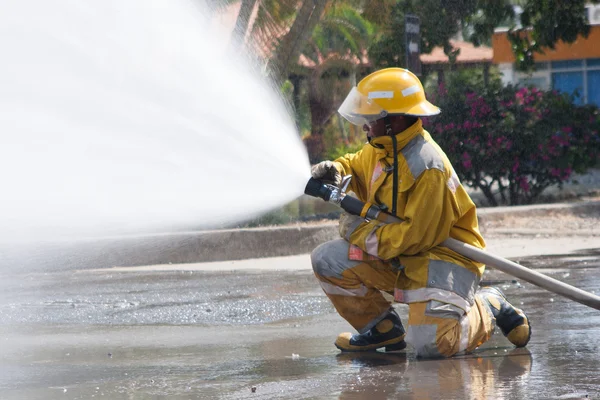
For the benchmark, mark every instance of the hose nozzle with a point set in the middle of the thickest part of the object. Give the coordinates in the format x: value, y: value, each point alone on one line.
x: 327, y: 192
x: 316, y: 188
x: 337, y: 196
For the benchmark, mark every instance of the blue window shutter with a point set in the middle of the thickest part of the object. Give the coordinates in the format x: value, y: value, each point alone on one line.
x: 593, y: 87
x: 569, y: 82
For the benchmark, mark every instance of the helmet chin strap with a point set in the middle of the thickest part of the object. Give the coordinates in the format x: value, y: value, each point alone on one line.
x: 387, y: 121
x: 388, y: 125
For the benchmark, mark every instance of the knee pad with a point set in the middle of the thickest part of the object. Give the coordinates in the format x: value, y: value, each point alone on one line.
x: 330, y: 259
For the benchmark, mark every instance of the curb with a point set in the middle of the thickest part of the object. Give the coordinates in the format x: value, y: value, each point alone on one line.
x: 586, y: 207
x: 227, y: 245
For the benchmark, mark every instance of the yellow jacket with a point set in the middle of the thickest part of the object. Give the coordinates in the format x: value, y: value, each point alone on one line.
x: 431, y: 201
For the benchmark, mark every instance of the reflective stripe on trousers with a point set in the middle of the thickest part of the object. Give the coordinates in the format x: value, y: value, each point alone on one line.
x: 435, y: 328
x: 444, y: 334
x: 354, y: 287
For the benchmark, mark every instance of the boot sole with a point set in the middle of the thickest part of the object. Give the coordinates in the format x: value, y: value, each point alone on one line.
x: 396, y: 347
x: 390, y: 345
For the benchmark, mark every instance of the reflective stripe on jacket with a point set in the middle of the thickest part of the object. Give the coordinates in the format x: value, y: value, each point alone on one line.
x: 431, y: 201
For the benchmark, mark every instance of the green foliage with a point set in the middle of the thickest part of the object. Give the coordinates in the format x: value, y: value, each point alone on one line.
x: 342, y: 148
x: 512, y: 142
x: 490, y: 15
x: 302, y: 110
x: 464, y: 80
x: 341, y: 37
x: 299, y: 110
x: 303, y: 209
x: 280, y: 216
x: 545, y: 22
x: 389, y: 48
x: 540, y: 26
x: 440, y: 21
x: 287, y: 91
x: 341, y: 29
x: 348, y: 27
x: 333, y: 143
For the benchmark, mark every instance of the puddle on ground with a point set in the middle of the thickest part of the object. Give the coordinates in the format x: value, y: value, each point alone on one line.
x: 182, y: 335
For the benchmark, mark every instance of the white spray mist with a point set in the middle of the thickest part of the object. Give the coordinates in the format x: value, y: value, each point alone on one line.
x: 128, y: 116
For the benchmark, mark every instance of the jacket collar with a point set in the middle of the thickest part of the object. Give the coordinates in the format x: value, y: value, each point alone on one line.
x: 383, y: 144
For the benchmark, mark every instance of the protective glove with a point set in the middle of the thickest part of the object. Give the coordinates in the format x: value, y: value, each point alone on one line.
x: 348, y: 223
x: 326, y: 172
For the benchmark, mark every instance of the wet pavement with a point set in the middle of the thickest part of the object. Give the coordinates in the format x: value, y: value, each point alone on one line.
x: 142, y: 334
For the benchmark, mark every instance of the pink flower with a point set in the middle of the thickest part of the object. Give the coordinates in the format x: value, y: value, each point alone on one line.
x: 442, y: 89
x: 522, y: 92
x: 466, y: 160
x: 567, y: 129
x: 484, y: 109
x: 523, y: 184
x: 515, y: 166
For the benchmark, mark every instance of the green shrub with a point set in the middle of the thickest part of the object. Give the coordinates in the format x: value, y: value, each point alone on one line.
x: 343, y: 148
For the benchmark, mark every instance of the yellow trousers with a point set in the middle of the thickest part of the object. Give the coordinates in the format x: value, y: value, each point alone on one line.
x: 355, y: 288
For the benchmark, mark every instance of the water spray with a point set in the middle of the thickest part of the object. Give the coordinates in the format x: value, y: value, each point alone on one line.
x: 118, y: 116
x: 337, y: 195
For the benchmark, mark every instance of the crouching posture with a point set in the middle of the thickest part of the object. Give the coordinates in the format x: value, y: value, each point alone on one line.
x: 403, y: 170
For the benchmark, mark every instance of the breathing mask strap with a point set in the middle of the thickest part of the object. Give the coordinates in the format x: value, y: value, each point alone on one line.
x: 388, y: 131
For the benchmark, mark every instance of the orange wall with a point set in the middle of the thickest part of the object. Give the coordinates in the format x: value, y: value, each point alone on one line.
x: 581, y: 48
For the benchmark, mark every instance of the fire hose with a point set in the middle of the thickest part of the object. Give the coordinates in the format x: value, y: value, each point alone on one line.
x: 337, y: 195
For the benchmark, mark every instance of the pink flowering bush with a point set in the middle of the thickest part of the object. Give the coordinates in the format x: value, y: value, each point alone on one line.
x: 511, y: 142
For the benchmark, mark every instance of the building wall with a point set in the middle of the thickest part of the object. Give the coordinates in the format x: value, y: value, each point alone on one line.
x: 580, y: 49
x: 507, y: 72
x: 571, y: 68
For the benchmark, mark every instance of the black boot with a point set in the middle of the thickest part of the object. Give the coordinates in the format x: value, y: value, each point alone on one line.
x: 512, y: 321
x: 388, y: 333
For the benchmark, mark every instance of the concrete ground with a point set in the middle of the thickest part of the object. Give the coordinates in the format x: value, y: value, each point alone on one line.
x: 193, y: 334
x: 79, y: 328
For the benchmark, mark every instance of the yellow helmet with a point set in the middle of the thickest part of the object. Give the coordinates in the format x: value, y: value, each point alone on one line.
x: 390, y: 91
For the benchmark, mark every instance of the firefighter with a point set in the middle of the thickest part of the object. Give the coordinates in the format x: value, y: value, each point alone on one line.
x: 402, y: 170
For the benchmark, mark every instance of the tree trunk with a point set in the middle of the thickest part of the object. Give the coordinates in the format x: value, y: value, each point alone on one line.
x: 291, y: 45
x: 241, y: 25
x: 320, y: 112
x: 489, y: 195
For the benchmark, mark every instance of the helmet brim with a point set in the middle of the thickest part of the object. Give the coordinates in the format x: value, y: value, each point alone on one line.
x: 423, y: 109
x: 360, y: 110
